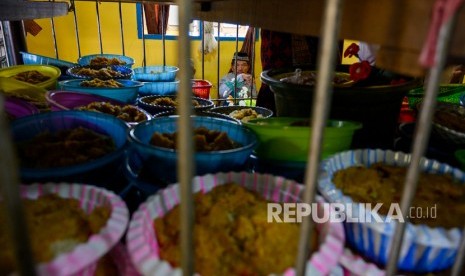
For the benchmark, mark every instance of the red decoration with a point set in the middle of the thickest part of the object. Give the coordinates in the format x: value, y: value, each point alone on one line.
x: 352, y: 50
x: 360, y: 70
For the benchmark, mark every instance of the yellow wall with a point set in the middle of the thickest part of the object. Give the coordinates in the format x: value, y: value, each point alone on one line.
x: 42, y: 44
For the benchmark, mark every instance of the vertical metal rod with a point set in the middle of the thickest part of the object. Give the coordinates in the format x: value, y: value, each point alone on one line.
x: 186, y: 165
x: 76, y: 30
x: 460, y: 257
x: 10, y: 192
x: 218, y: 63
x: 235, y: 66
x: 98, y: 26
x: 253, y: 66
x: 143, y: 34
x: 55, y: 46
x: 421, y: 138
x: 121, y: 25
x: 163, y: 37
x: 203, y: 48
x: 326, y: 65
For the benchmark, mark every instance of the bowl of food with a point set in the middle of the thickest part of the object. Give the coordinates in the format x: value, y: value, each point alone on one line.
x: 43, y: 76
x: 103, y: 60
x: 161, y: 88
x: 156, y: 104
x: 78, y: 146
x: 375, y: 104
x: 237, y: 203
x: 104, y: 73
x: 17, y: 108
x: 243, y: 113
x: 436, y: 217
x: 24, y: 91
x: 72, y: 228
x: 68, y: 100
x: 221, y: 145
x: 122, y: 90
x: 29, y: 58
x: 449, y: 123
x: 288, y: 138
x: 200, y: 113
x: 156, y: 73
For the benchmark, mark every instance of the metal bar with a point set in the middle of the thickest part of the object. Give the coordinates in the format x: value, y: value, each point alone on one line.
x: 144, y: 61
x: 10, y: 192
x: 460, y: 257
x: 55, y: 45
x: 218, y: 64
x: 121, y: 25
x: 422, y: 133
x: 203, y: 49
x: 326, y: 65
x: 163, y: 38
x: 253, y: 66
x: 186, y: 165
x: 76, y: 29
x: 235, y: 66
x: 98, y: 26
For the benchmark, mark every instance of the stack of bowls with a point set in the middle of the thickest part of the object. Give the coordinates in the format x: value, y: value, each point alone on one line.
x: 158, y: 80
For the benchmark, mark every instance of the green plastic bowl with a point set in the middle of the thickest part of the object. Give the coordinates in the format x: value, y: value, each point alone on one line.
x: 281, y: 141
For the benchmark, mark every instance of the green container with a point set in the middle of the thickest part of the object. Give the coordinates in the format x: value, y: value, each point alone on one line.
x: 279, y: 140
x: 448, y: 93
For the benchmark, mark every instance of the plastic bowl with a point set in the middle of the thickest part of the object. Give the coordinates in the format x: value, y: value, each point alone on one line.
x: 159, y: 88
x: 48, y: 70
x: 144, y: 248
x: 424, y: 249
x: 68, y: 100
x: 278, y: 140
x: 18, y: 108
x: 264, y: 112
x: 156, y: 73
x: 153, y: 109
x: 200, y: 113
x: 85, y: 60
x: 162, y: 162
x: 82, y: 260
x: 444, y: 132
x: 127, y: 93
x: 28, y: 92
x: 29, y: 58
x: 125, y: 72
x: 201, y: 88
x: 98, y: 171
x: 448, y: 93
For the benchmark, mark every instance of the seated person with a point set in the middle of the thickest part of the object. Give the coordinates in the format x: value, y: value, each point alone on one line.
x: 238, y: 83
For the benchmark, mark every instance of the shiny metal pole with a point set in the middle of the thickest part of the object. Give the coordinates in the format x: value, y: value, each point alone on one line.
x: 326, y: 65
x: 99, y: 29
x: 121, y: 25
x: 421, y: 138
x: 186, y: 165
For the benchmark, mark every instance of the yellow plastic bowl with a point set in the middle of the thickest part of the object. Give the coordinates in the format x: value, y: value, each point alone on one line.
x: 281, y: 140
x: 28, y: 92
x: 47, y: 70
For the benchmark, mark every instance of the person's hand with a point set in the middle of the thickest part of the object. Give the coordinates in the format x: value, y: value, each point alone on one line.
x: 247, y: 78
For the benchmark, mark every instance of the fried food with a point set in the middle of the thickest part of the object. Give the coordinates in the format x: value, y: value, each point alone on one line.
x: 204, y: 140
x: 231, y: 235
x: 245, y: 114
x: 32, y: 77
x: 56, y: 225
x: 381, y: 183
x: 102, y: 61
x: 64, y: 148
x: 102, y: 73
x: 101, y: 83
x: 167, y: 101
x: 127, y: 113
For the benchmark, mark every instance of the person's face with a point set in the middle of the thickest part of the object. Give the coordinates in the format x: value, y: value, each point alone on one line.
x: 241, y: 67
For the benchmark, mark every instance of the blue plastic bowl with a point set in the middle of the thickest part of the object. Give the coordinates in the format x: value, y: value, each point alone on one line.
x: 146, y: 103
x: 162, y: 162
x: 125, y: 72
x: 156, y: 73
x: 100, y: 171
x: 85, y: 60
x: 159, y: 88
x: 127, y: 93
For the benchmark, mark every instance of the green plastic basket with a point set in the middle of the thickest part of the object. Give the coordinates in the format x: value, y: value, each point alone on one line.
x: 449, y: 93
